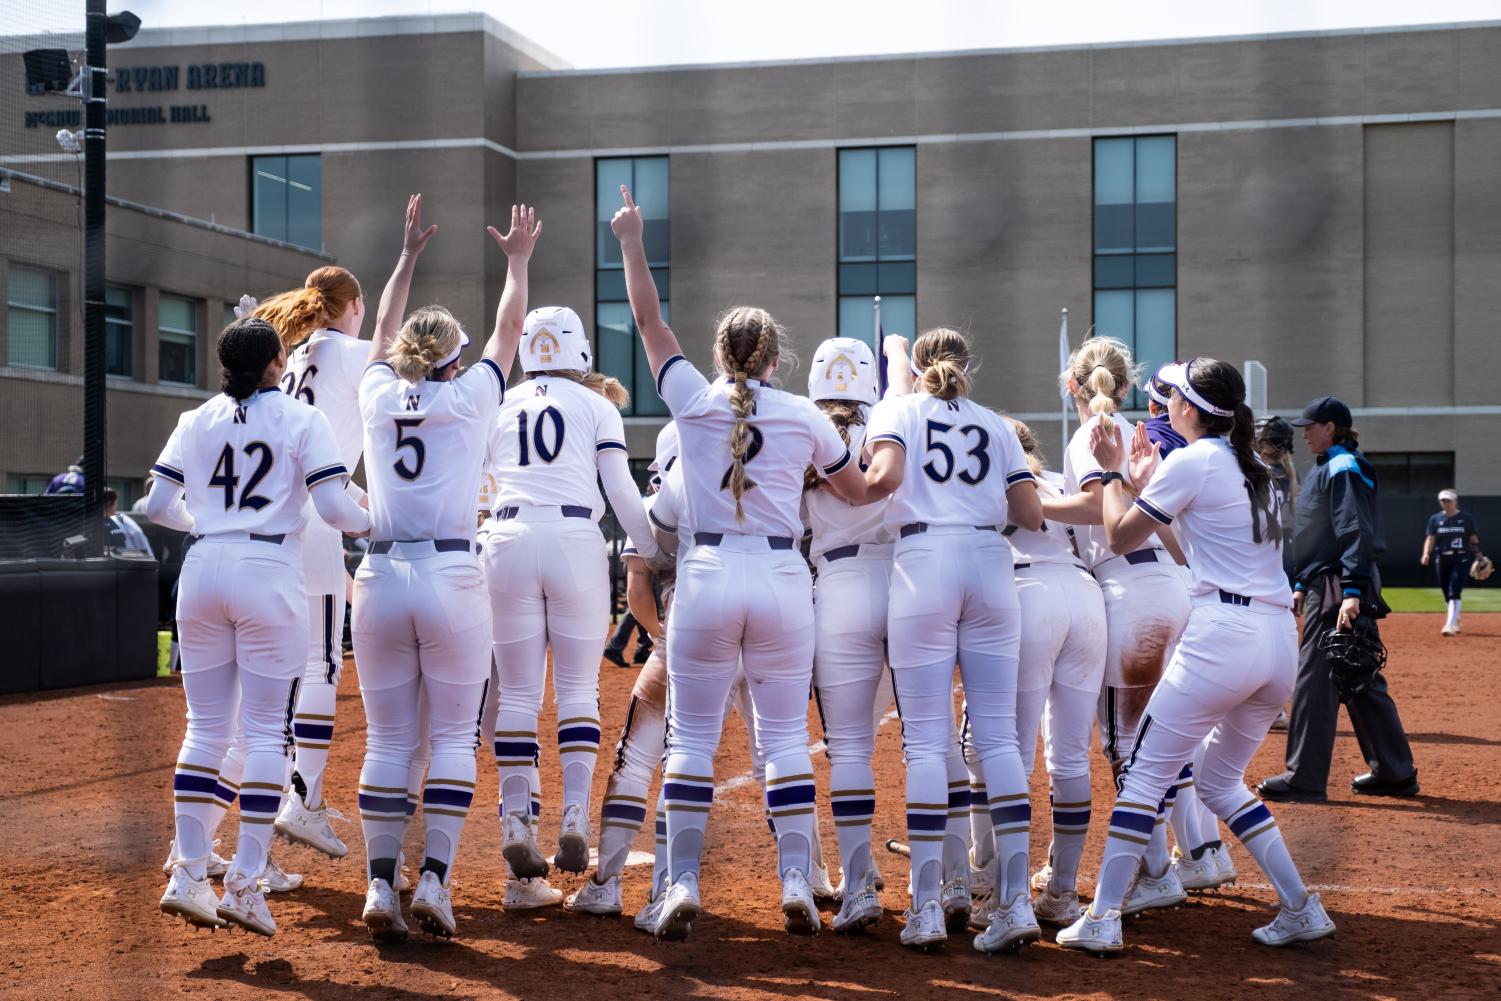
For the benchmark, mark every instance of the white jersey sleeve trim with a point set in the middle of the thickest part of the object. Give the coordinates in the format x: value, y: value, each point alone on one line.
x: 887, y: 436
x: 601, y: 446
x: 667, y: 367
x: 1019, y: 476
x: 166, y: 472
x: 319, y: 475
x: 844, y: 460
x: 494, y: 369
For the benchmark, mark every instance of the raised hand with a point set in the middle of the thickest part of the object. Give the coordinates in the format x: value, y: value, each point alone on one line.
x: 1144, y: 458
x: 521, y: 239
x: 1105, y: 443
x: 627, y: 224
x: 414, y: 241
x: 895, y: 345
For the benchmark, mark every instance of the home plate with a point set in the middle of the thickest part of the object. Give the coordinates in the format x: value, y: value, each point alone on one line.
x: 634, y: 858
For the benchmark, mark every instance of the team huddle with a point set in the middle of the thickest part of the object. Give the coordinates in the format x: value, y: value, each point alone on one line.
x: 1106, y: 596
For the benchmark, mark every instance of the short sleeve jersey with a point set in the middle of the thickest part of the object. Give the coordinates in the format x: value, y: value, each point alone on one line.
x: 788, y: 434
x: 1079, y: 470
x: 1200, y: 492
x: 425, y: 450
x: 1452, y: 534
x: 961, y: 458
x: 1052, y: 543
x: 325, y: 371
x: 836, y: 523
x: 546, y: 444
x: 247, y: 465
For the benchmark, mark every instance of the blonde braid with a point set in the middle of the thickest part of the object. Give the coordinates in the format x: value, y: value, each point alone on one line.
x: 743, y: 403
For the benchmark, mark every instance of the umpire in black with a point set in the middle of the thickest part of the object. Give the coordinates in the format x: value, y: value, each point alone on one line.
x: 1337, y: 540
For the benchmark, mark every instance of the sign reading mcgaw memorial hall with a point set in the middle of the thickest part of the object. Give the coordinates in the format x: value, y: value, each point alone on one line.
x: 157, y: 79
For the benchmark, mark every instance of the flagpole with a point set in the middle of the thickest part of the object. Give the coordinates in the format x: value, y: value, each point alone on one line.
x: 883, y: 378
x: 1063, y: 391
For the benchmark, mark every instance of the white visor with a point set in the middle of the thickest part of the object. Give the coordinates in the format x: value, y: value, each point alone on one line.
x: 1157, y: 395
x: 454, y: 355
x: 1444, y: 495
x: 1176, y: 375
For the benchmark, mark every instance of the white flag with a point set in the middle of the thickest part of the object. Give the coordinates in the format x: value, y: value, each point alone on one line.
x: 1063, y: 353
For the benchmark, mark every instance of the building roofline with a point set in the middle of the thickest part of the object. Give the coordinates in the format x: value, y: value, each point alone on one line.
x: 299, y: 31
x: 1021, y: 50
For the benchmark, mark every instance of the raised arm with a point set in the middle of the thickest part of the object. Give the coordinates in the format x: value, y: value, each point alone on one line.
x: 510, y: 315
x: 898, y: 366
x: 393, y: 300
x: 658, y: 338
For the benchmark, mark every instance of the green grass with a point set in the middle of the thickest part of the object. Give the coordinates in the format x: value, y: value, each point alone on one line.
x: 1430, y: 599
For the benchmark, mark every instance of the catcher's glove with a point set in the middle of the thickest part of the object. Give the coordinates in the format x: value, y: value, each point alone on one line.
x: 1482, y: 568
x: 1355, y: 655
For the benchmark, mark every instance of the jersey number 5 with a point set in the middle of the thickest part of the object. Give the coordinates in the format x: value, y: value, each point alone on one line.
x: 225, y: 477
x: 980, y: 453
x: 404, y: 440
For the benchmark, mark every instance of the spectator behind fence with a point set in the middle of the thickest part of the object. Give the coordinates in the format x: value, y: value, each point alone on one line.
x: 69, y: 482
x: 124, y: 533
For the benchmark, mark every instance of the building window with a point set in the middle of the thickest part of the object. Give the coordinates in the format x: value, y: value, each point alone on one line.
x: 177, y: 331
x: 286, y: 198
x: 617, y: 347
x: 1413, y: 474
x: 31, y: 298
x: 119, y: 330
x: 877, y: 241
x: 27, y: 483
x: 1135, y: 246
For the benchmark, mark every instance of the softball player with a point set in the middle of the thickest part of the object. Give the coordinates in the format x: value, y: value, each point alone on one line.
x: 1146, y: 598
x: 1061, y: 668
x: 851, y: 549
x: 1453, y: 543
x: 559, y: 435
x: 237, y: 472
x: 320, y: 326
x: 1218, y: 496
x: 956, y: 474
x: 421, y: 609
x: 744, y: 591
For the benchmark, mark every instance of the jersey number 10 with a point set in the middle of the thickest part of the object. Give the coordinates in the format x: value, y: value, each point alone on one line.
x: 547, y: 453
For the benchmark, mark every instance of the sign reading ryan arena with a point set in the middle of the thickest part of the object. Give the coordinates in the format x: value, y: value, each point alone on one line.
x: 160, y: 79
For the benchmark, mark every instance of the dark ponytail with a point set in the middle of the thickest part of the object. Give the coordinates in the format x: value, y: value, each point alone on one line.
x: 1221, y: 384
x: 246, y: 347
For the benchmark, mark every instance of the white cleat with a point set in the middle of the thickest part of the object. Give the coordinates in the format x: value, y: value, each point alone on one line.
x: 530, y: 894
x: 1196, y: 873
x: 1450, y: 629
x: 403, y: 882
x: 1059, y: 909
x: 519, y: 846
x: 925, y: 927
x: 646, y: 918
x: 799, y: 908
x: 596, y: 898
x: 679, y: 907
x: 1012, y: 926
x: 216, y: 867
x: 382, y: 914
x: 822, y: 887
x: 278, y: 880
x: 432, y: 906
x: 573, y: 840
x: 244, y: 904
x: 955, y: 900
x: 191, y: 899
x: 981, y: 894
x: 1224, y: 866
x: 1148, y: 892
x: 1308, y: 924
x: 858, y: 910
x: 1042, y: 877
x: 302, y: 826
x: 1094, y: 934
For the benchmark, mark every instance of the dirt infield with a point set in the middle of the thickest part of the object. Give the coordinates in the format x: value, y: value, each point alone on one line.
x: 1415, y: 886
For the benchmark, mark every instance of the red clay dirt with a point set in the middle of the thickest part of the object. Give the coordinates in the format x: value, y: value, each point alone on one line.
x: 84, y: 778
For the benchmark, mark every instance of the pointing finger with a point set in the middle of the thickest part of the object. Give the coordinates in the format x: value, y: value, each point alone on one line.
x: 625, y: 193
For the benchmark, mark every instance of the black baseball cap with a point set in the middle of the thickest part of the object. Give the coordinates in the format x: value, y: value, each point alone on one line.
x: 1325, y: 410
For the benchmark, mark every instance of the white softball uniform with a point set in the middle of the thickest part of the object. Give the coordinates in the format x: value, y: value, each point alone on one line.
x: 743, y: 594
x: 1229, y: 676
x: 953, y: 597
x: 246, y: 468
x: 852, y: 551
x: 1146, y: 606
x: 325, y: 371
x: 421, y: 608
x: 1062, y: 666
x: 549, y: 575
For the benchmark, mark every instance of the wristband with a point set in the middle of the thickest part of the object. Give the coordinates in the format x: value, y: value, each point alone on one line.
x: 1111, y: 476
